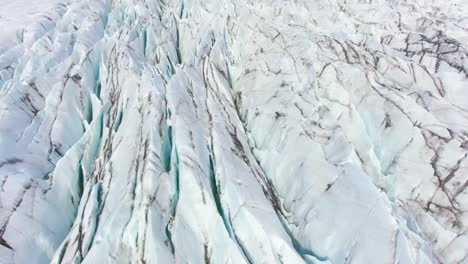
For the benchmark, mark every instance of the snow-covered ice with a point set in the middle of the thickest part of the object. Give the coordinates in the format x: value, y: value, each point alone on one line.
x: 226, y: 131
x: 21, y: 19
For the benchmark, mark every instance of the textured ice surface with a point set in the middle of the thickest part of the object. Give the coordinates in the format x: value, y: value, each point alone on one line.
x: 21, y: 19
x: 225, y: 131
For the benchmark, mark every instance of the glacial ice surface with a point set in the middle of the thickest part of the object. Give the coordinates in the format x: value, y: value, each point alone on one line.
x: 226, y: 131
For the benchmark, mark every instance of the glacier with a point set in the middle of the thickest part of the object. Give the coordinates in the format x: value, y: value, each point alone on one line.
x: 226, y: 131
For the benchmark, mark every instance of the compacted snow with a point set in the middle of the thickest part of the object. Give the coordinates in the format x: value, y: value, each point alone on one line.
x: 26, y: 20
x: 227, y: 131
